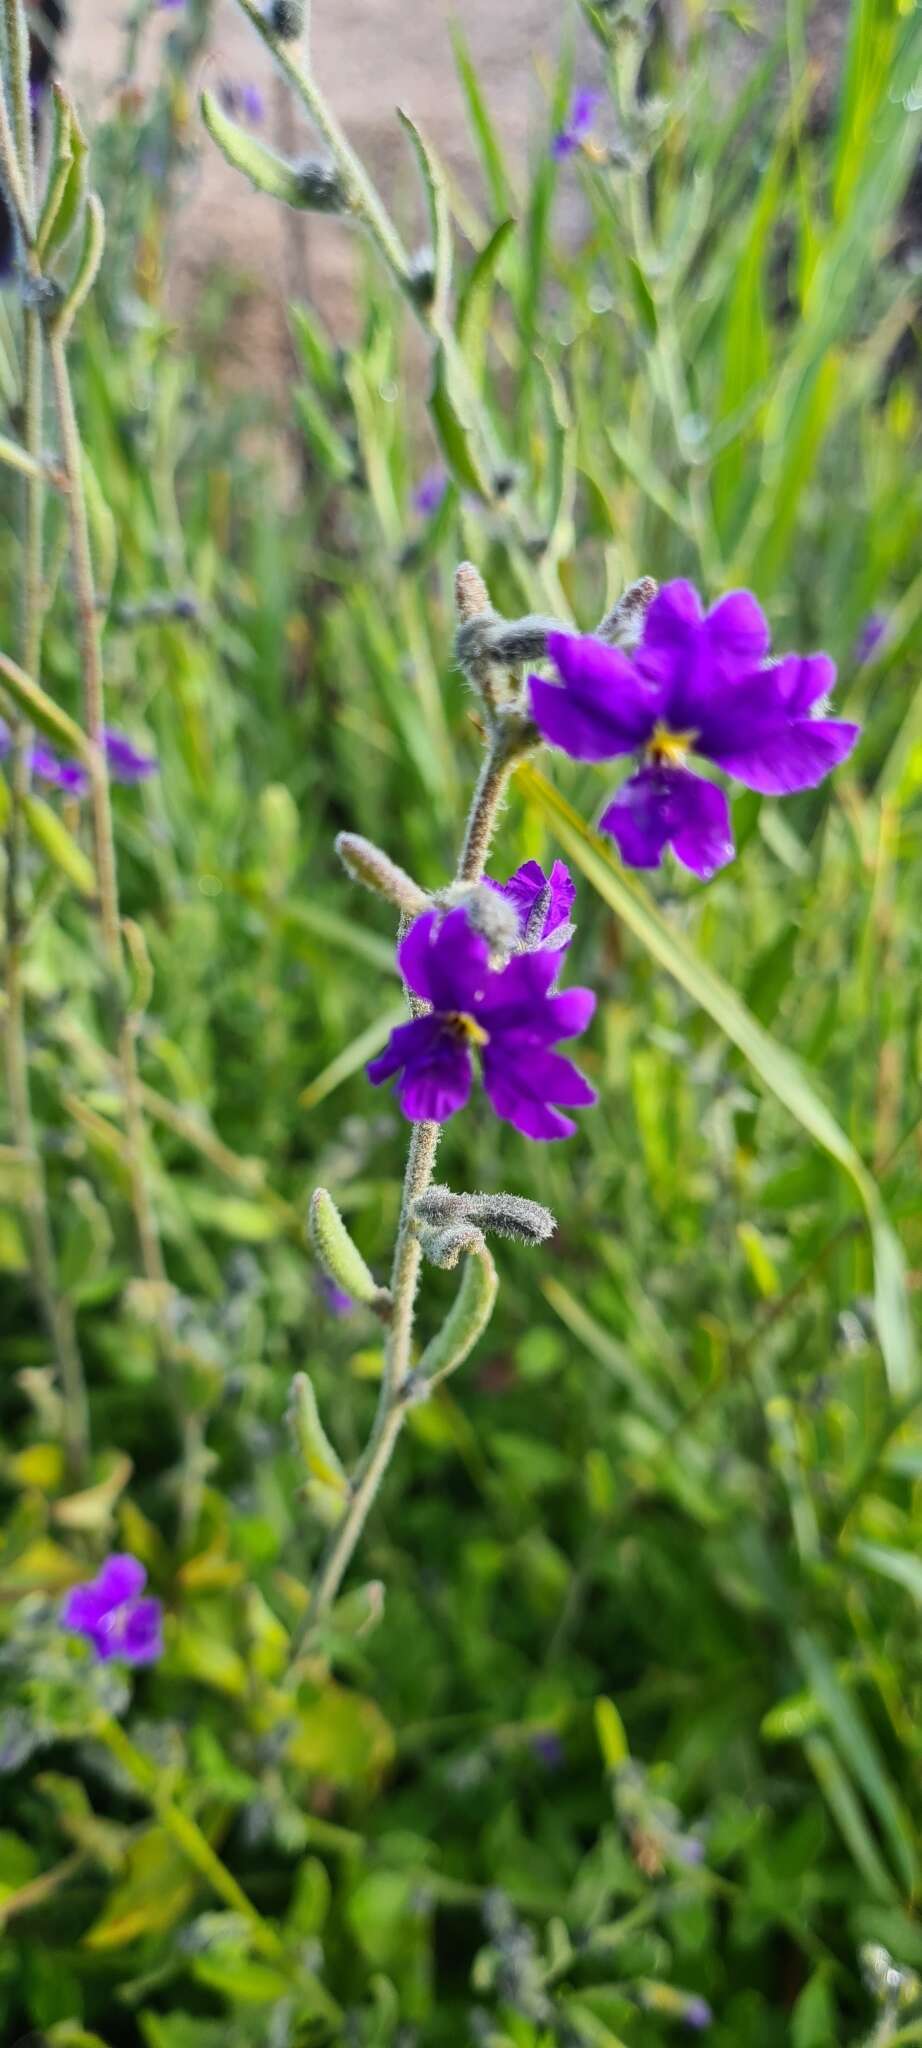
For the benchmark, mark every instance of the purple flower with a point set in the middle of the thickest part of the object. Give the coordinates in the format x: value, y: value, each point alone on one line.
x: 246, y: 100
x: 429, y: 492
x: 507, y: 1014
x: 694, y: 684
x: 6, y: 739
x: 110, y: 1614
x: 337, y: 1300
x: 126, y: 763
x: 548, y: 1748
x: 869, y: 638
x: 70, y: 776
x: 578, y: 126
x: 698, y: 2014
x: 529, y: 887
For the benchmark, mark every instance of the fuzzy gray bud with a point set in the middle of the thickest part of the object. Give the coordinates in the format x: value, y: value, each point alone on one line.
x: 421, y: 277
x: 513, y: 1216
x: 490, y: 913
x: 503, y: 642
x: 471, y: 594
x: 286, y: 19
x: 623, y: 625
x: 320, y: 187
x: 444, y: 1247
x: 366, y: 863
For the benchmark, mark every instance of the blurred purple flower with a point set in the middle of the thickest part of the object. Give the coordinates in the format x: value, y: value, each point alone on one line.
x: 429, y: 492
x: 698, y: 2014
x: 548, y: 1748
x: 70, y: 776
x: 246, y: 100
x: 6, y: 739
x: 111, y: 1615
x: 526, y: 889
x: 870, y: 636
x: 694, y: 684
x: 508, y: 1015
x: 578, y: 125
x: 125, y: 761
x: 337, y: 1300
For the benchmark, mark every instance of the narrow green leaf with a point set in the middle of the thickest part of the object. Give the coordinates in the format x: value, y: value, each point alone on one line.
x: 859, y: 1750
x: 846, y: 1809
x: 433, y: 178
x: 453, y: 431
x: 899, y: 1565
x: 477, y: 298
x: 321, y: 1462
x: 59, y: 845
x: 485, y: 136
x: 776, y: 1067
x: 268, y: 171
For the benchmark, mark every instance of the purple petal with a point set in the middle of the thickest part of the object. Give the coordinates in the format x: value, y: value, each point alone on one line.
x: 407, y: 1042
x: 83, y: 1609
x: 607, y: 709
x: 795, y: 756
x: 515, y: 996
x: 435, y: 1067
x: 582, y: 110
x: 141, y: 1634
x: 523, y: 1091
x: 802, y: 679
x: 529, y: 883
x: 70, y: 776
x: 564, y: 145
x: 569, y: 1013
x: 870, y: 636
x: 737, y: 632
x: 663, y: 807
x: 126, y: 762
x: 669, y: 624
x: 6, y: 739
x: 122, y: 1578
x: 443, y: 960
x: 429, y: 492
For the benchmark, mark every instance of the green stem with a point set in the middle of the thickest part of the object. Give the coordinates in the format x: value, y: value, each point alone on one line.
x: 187, y: 1835
x: 18, y: 163
x: 152, y: 1260
x: 393, y: 1405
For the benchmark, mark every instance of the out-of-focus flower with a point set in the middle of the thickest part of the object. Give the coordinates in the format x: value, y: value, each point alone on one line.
x: 111, y: 1615
x: 577, y: 129
x: 873, y: 631
x: 70, y: 776
x: 245, y: 100
x: 695, y: 684
x: 548, y: 1748
x: 508, y: 1015
x: 530, y: 889
x: 125, y: 760
x: 337, y: 1300
x: 429, y: 492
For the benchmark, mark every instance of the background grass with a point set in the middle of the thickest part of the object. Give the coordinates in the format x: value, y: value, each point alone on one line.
x: 682, y: 1473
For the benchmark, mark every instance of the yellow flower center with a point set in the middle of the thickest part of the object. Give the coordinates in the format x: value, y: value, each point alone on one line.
x: 465, y: 1027
x: 667, y: 749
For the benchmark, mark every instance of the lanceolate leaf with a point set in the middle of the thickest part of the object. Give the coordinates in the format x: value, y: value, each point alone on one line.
x: 775, y: 1066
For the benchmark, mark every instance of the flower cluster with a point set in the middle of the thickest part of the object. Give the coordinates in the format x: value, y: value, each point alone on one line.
x: 111, y: 1615
x: 696, y: 684
x: 126, y: 763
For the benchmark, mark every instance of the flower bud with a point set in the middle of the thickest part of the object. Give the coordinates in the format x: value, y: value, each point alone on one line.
x: 467, y: 1318
x: 310, y: 1439
x: 445, y: 1247
x: 286, y: 19
x: 339, y: 1257
x: 487, y: 911
x: 421, y: 277
x: 320, y: 187
x: 471, y: 594
x: 513, y: 1216
x: 366, y: 863
x: 623, y: 625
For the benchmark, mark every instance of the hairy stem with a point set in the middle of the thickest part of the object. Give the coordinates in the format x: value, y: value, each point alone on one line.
x: 17, y: 160
x: 393, y: 1403
x: 110, y: 920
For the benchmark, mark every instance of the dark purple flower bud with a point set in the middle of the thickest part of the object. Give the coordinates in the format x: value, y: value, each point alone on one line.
x: 578, y: 126
x: 69, y: 776
x: 870, y: 636
x: 126, y: 763
x: 694, y: 684
x: 111, y: 1615
x: 510, y: 1017
x: 429, y: 492
x: 531, y: 891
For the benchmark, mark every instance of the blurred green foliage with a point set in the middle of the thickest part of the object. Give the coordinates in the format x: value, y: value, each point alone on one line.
x: 675, y: 1478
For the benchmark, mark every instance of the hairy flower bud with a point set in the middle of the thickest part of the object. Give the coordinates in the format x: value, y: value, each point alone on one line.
x: 421, y: 277
x: 320, y: 187
x: 366, y: 863
x: 488, y: 912
x: 503, y: 642
x: 339, y: 1257
x: 471, y: 594
x: 446, y: 1246
x: 513, y: 1216
x: 286, y: 19
x: 623, y: 625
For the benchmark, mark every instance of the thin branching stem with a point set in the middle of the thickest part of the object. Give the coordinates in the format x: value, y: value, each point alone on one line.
x: 17, y: 160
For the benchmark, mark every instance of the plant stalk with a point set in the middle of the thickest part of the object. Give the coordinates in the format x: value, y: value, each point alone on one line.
x: 17, y: 157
